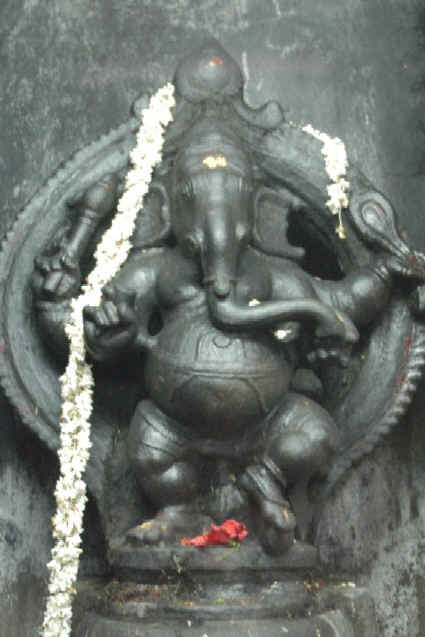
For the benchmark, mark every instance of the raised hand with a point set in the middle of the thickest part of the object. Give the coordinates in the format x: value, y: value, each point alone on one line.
x: 57, y: 277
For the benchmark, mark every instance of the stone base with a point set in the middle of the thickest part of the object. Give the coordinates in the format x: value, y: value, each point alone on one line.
x: 217, y: 592
x: 332, y: 624
x: 144, y: 563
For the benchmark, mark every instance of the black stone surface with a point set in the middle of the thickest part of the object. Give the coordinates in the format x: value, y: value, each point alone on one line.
x: 301, y: 606
x: 332, y: 624
x: 353, y: 68
x: 244, y: 560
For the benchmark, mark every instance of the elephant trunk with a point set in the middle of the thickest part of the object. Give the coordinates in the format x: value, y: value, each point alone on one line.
x: 221, y: 253
x: 230, y: 314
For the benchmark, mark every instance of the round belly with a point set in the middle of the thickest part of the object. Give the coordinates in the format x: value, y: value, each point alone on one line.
x: 214, y: 382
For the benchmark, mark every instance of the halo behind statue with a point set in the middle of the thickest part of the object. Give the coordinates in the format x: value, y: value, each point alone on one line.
x: 390, y: 359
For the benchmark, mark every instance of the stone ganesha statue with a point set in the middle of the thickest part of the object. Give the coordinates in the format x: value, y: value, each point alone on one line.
x: 219, y: 318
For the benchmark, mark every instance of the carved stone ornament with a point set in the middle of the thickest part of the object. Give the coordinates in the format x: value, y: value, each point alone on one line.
x: 245, y: 356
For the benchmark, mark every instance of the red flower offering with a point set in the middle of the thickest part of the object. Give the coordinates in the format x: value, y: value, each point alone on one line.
x: 222, y: 534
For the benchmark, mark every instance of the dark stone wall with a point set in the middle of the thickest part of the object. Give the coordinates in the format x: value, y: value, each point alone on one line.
x: 352, y: 68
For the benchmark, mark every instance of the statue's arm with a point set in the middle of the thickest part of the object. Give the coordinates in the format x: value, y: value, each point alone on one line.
x: 291, y: 299
x: 362, y: 294
x: 56, y: 278
x: 121, y: 322
x: 291, y: 284
x: 57, y: 271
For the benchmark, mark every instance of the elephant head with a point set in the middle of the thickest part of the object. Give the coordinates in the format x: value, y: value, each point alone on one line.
x: 217, y: 209
x: 217, y: 206
x: 212, y: 215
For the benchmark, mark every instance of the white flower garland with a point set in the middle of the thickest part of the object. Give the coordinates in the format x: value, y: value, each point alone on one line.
x: 336, y: 164
x: 77, y: 381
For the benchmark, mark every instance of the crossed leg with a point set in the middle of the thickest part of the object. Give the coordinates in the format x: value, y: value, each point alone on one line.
x: 301, y: 440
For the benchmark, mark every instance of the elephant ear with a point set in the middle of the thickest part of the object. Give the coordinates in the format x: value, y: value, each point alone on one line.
x: 153, y: 225
x: 271, y: 220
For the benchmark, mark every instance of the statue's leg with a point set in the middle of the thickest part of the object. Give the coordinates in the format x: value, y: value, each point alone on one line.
x: 168, y: 472
x: 275, y: 522
x: 301, y: 441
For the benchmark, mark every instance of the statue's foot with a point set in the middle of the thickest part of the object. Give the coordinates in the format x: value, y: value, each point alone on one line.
x: 170, y: 525
x: 277, y: 527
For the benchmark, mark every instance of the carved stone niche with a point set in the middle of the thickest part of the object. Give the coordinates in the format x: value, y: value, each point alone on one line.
x: 234, y: 355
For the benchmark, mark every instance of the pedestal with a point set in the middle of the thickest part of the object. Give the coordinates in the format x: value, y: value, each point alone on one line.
x: 217, y: 592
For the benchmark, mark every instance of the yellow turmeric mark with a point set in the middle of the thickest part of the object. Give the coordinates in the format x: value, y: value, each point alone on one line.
x: 215, y: 161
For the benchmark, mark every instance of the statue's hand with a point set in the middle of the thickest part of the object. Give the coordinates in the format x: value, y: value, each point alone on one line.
x: 112, y: 325
x: 57, y: 277
x: 328, y: 352
x: 333, y: 341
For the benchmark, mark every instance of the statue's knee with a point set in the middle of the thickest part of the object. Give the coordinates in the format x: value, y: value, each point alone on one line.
x: 291, y: 452
x: 152, y: 447
x: 321, y: 431
x: 176, y: 484
x: 147, y: 460
x: 305, y: 451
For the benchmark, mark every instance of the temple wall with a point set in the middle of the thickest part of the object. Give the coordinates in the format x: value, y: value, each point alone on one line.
x: 352, y: 68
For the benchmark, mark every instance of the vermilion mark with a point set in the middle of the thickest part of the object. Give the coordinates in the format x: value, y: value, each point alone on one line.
x: 230, y: 530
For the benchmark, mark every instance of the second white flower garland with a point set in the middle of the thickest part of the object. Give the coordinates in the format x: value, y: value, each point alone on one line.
x: 77, y: 381
x: 336, y: 163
